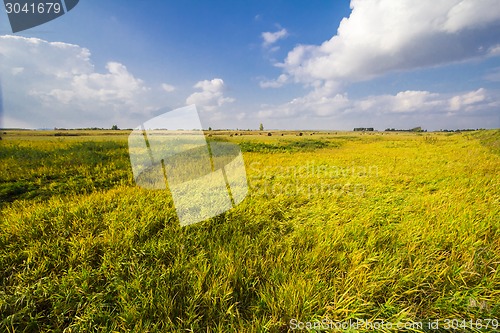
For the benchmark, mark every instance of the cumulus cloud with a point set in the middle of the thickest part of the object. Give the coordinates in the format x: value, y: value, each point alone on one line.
x: 319, y: 102
x: 116, y: 88
x: 211, y: 95
x: 405, y: 103
x: 469, y: 101
x: 272, y: 37
x: 382, y: 36
x: 167, y: 87
x: 279, y: 82
x: 494, y: 51
x: 49, y: 84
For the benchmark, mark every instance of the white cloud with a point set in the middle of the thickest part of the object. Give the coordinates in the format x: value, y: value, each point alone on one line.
x: 321, y: 101
x: 318, y: 104
x: 468, y: 101
x: 17, y: 70
x: 382, y: 36
x: 115, y: 88
x: 47, y: 84
x: 272, y: 37
x: 211, y: 95
x: 404, y: 102
x: 470, y: 14
x: 279, y: 82
x: 494, y: 50
x: 167, y: 87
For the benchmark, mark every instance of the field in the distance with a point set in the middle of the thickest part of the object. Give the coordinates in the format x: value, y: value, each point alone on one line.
x: 393, y: 227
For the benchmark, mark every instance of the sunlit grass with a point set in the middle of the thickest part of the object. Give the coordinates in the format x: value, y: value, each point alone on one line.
x: 398, y: 227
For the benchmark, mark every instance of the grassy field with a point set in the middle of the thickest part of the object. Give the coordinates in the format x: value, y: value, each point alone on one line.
x: 369, y: 229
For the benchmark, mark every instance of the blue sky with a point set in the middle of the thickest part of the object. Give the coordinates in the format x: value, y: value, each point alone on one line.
x: 287, y: 64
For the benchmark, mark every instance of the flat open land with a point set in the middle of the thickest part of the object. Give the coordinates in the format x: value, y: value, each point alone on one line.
x: 377, y: 228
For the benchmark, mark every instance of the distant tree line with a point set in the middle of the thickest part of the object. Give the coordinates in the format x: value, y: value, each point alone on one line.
x: 419, y: 129
x: 85, y: 129
x: 415, y: 129
x: 461, y: 130
x: 363, y: 129
x: 114, y: 127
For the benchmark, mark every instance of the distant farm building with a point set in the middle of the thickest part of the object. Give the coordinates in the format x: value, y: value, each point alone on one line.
x: 363, y: 129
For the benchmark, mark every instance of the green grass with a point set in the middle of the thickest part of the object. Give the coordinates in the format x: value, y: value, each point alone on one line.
x: 40, y: 169
x: 395, y: 227
x: 490, y: 139
x: 283, y: 146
